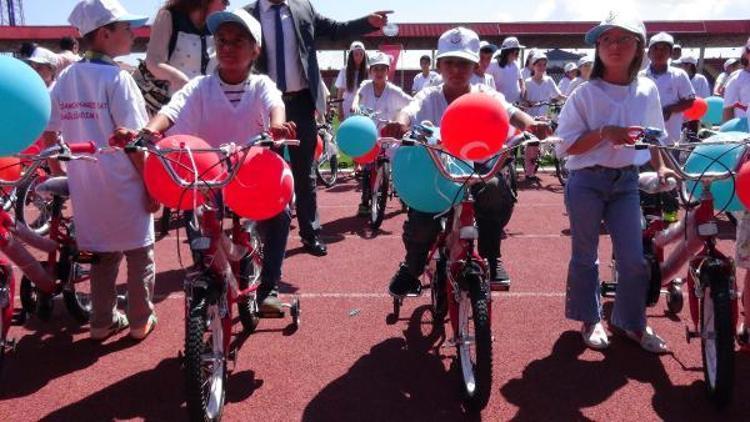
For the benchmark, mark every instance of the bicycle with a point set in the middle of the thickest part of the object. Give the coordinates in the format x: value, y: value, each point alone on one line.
x: 329, y: 156
x: 15, y: 252
x: 458, y: 278
x: 376, y: 179
x: 711, y: 284
x: 547, y: 153
x: 227, y: 273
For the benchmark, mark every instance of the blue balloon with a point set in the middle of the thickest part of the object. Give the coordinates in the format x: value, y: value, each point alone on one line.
x: 357, y: 136
x: 717, y: 158
x: 419, y: 183
x: 714, y: 114
x: 24, y: 106
x: 738, y: 124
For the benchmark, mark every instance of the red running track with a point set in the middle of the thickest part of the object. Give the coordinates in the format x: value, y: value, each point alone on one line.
x: 346, y: 363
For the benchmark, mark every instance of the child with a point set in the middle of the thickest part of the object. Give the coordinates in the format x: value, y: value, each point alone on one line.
x: 90, y: 99
x: 383, y: 97
x: 699, y: 82
x: 737, y: 88
x: 481, y: 76
x: 234, y: 94
x: 351, y: 76
x: 458, y: 54
x: 505, y: 71
x: 584, y: 69
x: 571, y: 73
x: 603, y: 185
x: 426, y: 77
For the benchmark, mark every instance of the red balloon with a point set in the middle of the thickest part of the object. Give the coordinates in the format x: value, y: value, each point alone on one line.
x: 742, y: 184
x: 697, y: 110
x: 263, y: 186
x: 318, y: 148
x: 10, y: 170
x: 161, y: 187
x: 474, y: 127
x: 369, y: 157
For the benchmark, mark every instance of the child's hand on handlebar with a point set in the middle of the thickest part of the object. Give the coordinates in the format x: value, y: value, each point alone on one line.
x: 394, y: 130
x: 621, y: 135
x: 540, y: 128
x: 286, y: 130
x: 121, y: 137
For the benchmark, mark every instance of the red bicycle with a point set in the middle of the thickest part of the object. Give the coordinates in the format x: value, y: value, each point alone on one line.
x: 227, y: 273
x: 458, y: 279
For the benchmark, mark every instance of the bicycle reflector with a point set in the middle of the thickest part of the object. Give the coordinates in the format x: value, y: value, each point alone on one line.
x: 474, y: 127
x: 262, y: 187
x: 187, y: 164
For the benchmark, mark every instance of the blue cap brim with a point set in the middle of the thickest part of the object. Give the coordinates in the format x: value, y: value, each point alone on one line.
x: 134, y: 20
x: 215, y: 20
x: 595, y: 32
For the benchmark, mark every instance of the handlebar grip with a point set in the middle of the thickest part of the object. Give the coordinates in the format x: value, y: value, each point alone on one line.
x: 82, y: 148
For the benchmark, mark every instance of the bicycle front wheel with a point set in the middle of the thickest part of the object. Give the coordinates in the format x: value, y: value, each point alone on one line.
x: 379, y: 195
x: 327, y: 176
x: 474, y: 343
x: 31, y: 209
x: 205, y: 363
x: 717, y: 334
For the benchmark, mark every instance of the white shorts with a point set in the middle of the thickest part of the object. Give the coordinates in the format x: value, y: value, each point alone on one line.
x: 742, y: 248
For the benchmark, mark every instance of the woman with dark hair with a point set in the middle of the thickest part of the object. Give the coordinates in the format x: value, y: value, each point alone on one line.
x: 505, y: 71
x: 351, y: 77
x: 181, y: 47
x: 597, y: 120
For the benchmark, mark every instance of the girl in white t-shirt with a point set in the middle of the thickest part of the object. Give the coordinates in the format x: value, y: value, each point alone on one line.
x: 504, y: 69
x: 386, y: 100
x: 571, y: 73
x: 350, y: 77
x: 737, y: 90
x: 235, y: 105
x: 539, y: 88
x: 595, y: 123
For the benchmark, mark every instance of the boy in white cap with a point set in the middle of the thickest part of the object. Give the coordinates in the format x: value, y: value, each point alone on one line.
x: 384, y: 98
x: 737, y: 91
x: 427, y: 77
x: 571, y: 73
x: 730, y: 66
x: 504, y: 69
x: 585, y: 64
x: 481, y: 76
x: 700, y: 84
x: 233, y: 93
x: 90, y: 99
x: 458, y: 54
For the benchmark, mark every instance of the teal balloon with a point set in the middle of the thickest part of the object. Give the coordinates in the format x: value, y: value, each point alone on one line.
x: 714, y: 114
x: 25, y: 106
x: 357, y: 136
x: 717, y: 158
x: 738, y: 124
x: 419, y: 183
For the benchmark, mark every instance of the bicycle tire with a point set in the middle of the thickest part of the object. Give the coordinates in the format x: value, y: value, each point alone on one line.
x: 328, y: 179
x: 204, y: 403
x: 30, y: 300
x: 476, y: 398
x: 247, y: 308
x: 438, y: 295
x: 560, y: 171
x: 379, y: 195
x: 26, y: 197
x: 717, y: 334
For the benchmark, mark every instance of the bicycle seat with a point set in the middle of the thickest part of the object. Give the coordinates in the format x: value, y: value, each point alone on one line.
x: 54, y: 186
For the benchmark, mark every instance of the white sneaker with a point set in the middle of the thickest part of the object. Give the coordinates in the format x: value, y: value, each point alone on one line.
x: 594, y: 336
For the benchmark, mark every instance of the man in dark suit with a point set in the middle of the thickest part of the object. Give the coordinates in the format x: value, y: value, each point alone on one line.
x: 290, y: 28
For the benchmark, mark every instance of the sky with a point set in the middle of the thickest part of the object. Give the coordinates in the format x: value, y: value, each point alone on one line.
x: 55, y: 12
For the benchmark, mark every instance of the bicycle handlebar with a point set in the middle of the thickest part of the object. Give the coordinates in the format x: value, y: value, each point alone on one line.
x: 61, y: 152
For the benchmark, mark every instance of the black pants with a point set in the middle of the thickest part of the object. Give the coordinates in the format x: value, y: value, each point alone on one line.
x: 300, y: 109
x: 493, y: 208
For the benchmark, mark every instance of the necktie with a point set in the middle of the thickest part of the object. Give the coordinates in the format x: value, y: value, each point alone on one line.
x: 280, y: 64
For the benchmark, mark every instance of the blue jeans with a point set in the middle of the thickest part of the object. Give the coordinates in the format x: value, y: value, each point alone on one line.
x: 591, y: 195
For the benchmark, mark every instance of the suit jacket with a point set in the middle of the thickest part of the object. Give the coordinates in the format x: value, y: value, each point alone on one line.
x: 309, y: 26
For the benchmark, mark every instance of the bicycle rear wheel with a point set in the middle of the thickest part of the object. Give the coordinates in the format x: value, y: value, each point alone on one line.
x: 331, y: 160
x: 205, y: 363
x: 379, y: 194
x: 560, y: 171
x: 717, y: 334
x: 31, y: 209
x: 474, y: 342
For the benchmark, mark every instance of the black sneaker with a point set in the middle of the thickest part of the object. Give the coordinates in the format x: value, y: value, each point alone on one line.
x: 404, y: 283
x: 499, y: 278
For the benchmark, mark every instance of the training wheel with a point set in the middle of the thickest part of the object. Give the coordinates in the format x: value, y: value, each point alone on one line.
x: 675, y: 300
x: 294, y: 310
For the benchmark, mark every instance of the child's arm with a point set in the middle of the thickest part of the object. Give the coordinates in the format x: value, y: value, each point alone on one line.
x: 280, y: 128
x: 49, y: 139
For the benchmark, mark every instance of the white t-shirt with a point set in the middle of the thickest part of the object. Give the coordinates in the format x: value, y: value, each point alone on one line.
x: 525, y: 73
x: 506, y: 80
x: 420, y: 81
x: 348, y: 95
x: 564, y: 85
x: 485, y: 79
x: 194, y: 109
x: 544, y: 90
x: 700, y: 86
x: 738, y: 91
x: 575, y: 83
x: 89, y: 101
x: 598, y: 103
x: 390, y: 102
x: 721, y: 80
x: 674, y: 86
x: 430, y: 104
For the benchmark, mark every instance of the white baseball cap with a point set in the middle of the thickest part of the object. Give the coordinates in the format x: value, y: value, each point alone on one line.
x: 89, y: 15
x: 380, y: 58
x: 538, y: 56
x: 616, y: 19
x: 585, y: 60
x: 728, y: 63
x: 485, y: 45
x: 511, y: 42
x: 459, y: 42
x: 43, y: 56
x: 569, y: 67
x: 689, y: 59
x: 661, y: 37
x: 357, y: 45
x: 240, y: 17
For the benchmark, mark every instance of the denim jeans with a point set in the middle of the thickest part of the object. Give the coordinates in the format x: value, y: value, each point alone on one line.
x: 591, y: 195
